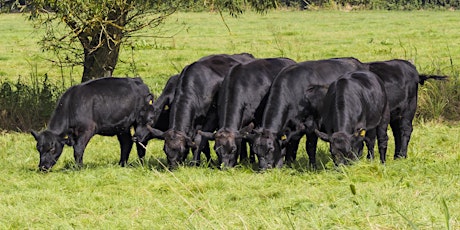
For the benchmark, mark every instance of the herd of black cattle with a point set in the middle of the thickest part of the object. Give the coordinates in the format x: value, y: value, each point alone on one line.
x: 237, y: 100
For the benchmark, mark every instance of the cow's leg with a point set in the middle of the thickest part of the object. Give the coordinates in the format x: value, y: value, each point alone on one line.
x: 207, y: 151
x: 397, y: 134
x: 406, y: 131
x: 370, y: 143
x: 141, y: 149
x: 382, y: 135
x: 79, y: 147
x: 197, y: 151
x: 291, y: 150
x: 310, y: 145
x: 252, y: 154
x: 203, y: 147
x: 382, y: 142
x: 406, y: 127
x: 126, y: 143
x: 243, y: 151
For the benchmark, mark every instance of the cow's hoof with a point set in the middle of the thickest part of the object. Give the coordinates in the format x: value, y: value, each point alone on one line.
x: 396, y: 157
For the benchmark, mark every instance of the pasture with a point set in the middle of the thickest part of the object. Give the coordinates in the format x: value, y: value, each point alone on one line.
x: 420, y: 192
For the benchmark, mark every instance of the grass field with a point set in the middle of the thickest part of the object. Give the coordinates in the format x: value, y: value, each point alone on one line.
x: 421, y: 192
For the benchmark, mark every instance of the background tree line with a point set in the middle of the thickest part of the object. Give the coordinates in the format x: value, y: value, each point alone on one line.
x: 375, y: 4
x: 16, y: 5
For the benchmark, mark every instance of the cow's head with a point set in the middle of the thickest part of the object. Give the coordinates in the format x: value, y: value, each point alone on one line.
x: 50, y: 146
x: 145, y: 132
x: 227, y: 144
x: 146, y: 121
x: 267, y: 146
x: 344, y: 147
x: 177, y: 146
x: 146, y: 109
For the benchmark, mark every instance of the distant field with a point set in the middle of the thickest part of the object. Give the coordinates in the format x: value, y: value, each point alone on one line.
x: 420, y: 192
x: 429, y: 38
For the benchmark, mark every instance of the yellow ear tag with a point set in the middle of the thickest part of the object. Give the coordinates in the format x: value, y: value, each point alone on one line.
x: 283, y: 138
x: 166, y: 107
x: 150, y: 102
x: 362, y: 132
x: 132, y: 131
x: 66, y: 137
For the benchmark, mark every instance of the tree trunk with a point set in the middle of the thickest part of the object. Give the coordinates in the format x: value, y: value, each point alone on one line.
x: 100, y: 62
x: 102, y: 46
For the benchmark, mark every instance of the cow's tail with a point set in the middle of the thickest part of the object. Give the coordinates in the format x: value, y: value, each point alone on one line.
x: 424, y: 77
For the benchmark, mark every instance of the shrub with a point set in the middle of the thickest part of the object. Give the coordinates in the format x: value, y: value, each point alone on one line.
x: 25, y: 106
x: 439, y: 100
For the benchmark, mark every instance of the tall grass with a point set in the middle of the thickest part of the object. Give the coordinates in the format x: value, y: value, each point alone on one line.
x: 24, y: 105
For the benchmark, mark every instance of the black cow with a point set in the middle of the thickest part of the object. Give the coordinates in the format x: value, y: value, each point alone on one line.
x: 287, y: 113
x: 158, y: 116
x: 355, y: 104
x: 401, y: 80
x: 106, y: 106
x: 240, y: 102
x: 194, y: 107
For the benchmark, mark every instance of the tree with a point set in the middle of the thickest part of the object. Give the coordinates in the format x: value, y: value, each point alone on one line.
x: 90, y: 32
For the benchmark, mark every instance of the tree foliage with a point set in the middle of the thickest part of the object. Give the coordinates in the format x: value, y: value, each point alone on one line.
x: 90, y: 32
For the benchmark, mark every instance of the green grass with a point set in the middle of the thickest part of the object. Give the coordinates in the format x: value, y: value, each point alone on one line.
x: 420, y: 192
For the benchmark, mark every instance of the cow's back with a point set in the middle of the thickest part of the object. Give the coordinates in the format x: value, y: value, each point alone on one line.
x: 198, y: 84
x: 108, y: 105
x: 243, y: 90
x: 163, y: 104
x: 355, y: 98
x: 286, y: 96
x: 401, y: 81
x: 329, y: 70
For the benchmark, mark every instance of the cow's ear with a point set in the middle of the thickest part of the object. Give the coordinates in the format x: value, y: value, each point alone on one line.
x: 193, y: 143
x: 149, y: 99
x: 208, y: 135
x: 283, y: 140
x: 251, y: 136
x: 35, y: 134
x: 156, y: 133
x: 246, y: 130
x: 66, y: 139
x: 360, y: 133
x: 322, y: 135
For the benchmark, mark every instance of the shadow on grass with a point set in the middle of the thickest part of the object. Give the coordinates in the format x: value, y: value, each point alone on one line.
x: 302, y: 165
x: 323, y: 162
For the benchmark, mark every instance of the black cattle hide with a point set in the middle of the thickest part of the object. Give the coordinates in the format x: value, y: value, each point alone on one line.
x: 106, y: 106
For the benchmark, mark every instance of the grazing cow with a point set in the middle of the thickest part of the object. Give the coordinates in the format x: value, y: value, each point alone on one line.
x: 105, y: 106
x: 240, y: 102
x: 355, y: 104
x: 286, y: 113
x: 194, y: 107
x: 158, y: 116
x: 401, y: 80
